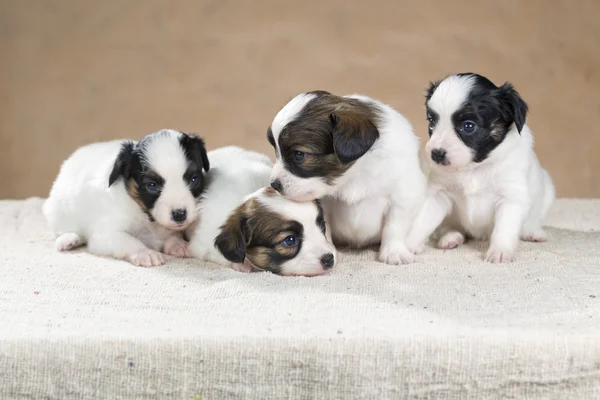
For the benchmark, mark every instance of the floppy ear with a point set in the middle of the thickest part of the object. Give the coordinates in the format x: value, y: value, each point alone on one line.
x: 353, y: 134
x: 194, y: 148
x: 231, y: 241
x: 122, y: 163
x: 513, y: 106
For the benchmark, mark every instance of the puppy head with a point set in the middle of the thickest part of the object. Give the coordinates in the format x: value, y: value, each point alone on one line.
x: 317, y: 137
x: 163, y: 174
x: 272, y: 233
x: 468, y: 118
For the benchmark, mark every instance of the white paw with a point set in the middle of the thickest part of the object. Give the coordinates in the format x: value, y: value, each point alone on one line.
x: 497, y: 257
x: 396, y: 256
x: 535, y: 236
x: 242, y: 267
x: 451, y: 240
x: 177, y: 247
x: 416, y: 249
x: 146, y: 258
x: 68, y: 241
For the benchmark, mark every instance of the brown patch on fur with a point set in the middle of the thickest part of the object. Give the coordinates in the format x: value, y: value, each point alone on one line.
x: 333, y: 132
x: 255, y: 232
x: 132, y: 190
x: 497, y: 131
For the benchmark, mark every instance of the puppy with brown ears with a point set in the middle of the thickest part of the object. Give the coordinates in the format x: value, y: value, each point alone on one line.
x: 361, y: 158
x: 250, y: 227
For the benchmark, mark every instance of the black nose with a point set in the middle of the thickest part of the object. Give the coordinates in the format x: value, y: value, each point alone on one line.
x: 439, y: 156
x: 276, y: 184
x: 179, y: 215
x: 327, y: 260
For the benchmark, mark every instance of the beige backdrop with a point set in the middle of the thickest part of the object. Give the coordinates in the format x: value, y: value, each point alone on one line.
x: 78, y: 71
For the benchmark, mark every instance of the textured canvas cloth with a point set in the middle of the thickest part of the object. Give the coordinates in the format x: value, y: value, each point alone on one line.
x: 75, y: 326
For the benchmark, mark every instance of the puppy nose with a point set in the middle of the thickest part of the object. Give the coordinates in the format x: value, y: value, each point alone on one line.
x: 179, y: 215
x: 276, y: 184
x: 327, y: 260
x: 439, y: 156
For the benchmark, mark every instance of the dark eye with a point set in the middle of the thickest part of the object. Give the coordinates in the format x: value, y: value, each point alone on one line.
x: 152, y: 187
x: 429, y: 119
x: 299, y: 156
x: 468, y: 127
x: 290, y: 241
x: 194, y: 179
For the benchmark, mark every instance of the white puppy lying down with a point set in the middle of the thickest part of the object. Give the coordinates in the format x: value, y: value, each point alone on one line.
x: 129, y: 200
x: 486, y: 181
x: 250, y: 227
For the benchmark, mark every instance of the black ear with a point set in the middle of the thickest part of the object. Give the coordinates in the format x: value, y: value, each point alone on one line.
x: 122, y: 163
x: 353, y: 134
x: 231, y: 241
x: 430, y: 89
x: 195, y: 150
x: 513, y: 106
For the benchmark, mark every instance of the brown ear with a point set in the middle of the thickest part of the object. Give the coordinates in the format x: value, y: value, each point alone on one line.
x: 353, y: 134
x: 231, y: 241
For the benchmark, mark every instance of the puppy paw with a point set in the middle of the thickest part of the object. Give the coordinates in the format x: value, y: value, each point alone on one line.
x: 498, y: 257
x: 535, y: 236
x: 146, y: 258
x: 242, y: 267
x: 68, y: 241
x: 177, y: 247
x: 451, y: 240
x: 396, y: 256
x: 416, y: 249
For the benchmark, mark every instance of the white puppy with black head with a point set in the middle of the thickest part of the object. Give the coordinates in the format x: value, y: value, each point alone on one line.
x: 129, y: 200
x: 361, y: 158
x: 247, y: 225
x: 485, y: 181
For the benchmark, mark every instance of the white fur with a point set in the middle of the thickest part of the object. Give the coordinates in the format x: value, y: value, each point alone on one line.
x: 236, y: 176
x: 82, y: 208
x: 376, y: 199
x: 504, y: 197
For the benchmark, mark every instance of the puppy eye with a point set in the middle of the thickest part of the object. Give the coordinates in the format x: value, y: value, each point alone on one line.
x: 290, y: 241
x: 194, y: 179
x: 468, y: 127
x: 152, y: 187
x: 429, y: 119
x: 299, y: 156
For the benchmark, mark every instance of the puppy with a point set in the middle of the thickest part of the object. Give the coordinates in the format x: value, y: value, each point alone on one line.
x: 485, y: 181
x: 252, y: 228
x: 129, y: 200
x: 361, y: 158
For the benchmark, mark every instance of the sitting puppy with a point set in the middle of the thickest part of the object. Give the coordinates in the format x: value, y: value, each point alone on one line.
x: 250, y: 227
x: 361, y: 158
x: 129, y: 200
x: 486, y: 181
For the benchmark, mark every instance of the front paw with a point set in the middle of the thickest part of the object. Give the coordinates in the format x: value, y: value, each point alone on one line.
x: 397, y: 255
x: 498, y: 257
x: 176, y: 247
x: 146, y: 258
x: 416, y: 249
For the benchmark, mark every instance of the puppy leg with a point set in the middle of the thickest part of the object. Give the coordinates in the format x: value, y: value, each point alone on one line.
x: 396, y: 224
x: 451, y: 240
x: 123, y: 246
x: 176, y: 246
x: 532, y: 228
x: 69, y: 241
x: 505, y: 236
x: 436, y: 207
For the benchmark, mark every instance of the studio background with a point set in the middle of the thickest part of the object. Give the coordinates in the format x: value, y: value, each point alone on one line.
x: 74, y: 72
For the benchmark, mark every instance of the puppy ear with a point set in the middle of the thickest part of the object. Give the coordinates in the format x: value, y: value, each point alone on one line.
x: 430, y: 89
x: 231, y: 241
x: 353, y: 134
x: 513, y: 106
x: 122, y: 163
x: 194, y: 149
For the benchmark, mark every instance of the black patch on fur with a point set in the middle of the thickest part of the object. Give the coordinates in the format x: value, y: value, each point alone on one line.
x: 320, y: 221
x: 195, y: 152
x: 492, y: 109
x: 122, y: 163
x: 270, y: 137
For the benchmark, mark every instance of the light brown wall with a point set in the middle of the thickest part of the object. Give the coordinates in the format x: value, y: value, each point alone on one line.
x: 74, y: 72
